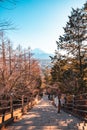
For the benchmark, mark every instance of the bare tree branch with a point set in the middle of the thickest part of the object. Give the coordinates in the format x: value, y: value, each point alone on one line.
x: 6, y: 25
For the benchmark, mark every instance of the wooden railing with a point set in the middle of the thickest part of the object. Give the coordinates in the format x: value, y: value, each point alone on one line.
x: 77, y: 105
x: 14, y: 107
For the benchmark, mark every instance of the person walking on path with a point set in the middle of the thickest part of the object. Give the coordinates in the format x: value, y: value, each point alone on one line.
x: 59, y: 101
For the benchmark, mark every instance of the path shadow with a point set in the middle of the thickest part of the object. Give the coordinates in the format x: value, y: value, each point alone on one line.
x: 44, y: 117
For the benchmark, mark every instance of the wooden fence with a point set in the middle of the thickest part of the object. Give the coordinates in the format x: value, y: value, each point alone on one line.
x: 14, y: 107
x: 77, y: 105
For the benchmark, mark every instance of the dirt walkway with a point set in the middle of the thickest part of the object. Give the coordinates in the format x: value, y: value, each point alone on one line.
x: 44, y: 117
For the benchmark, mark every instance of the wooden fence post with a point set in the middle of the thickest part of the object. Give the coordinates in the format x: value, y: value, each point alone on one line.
x: 27, y: 103
x: 31, y: 102
x: 3, y: 116
x: 73, y: 103
x: 22, y: 104
x: 11, y: 106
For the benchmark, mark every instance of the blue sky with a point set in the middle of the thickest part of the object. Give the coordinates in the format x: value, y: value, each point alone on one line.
x: 39, y: 22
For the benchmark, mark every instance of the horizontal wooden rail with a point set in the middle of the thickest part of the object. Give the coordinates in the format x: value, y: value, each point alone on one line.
x: 81, y: 110
x: 15, y: 109
x: 77, y: 105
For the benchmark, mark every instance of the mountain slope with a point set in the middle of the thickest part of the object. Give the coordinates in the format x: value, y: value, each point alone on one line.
x: 39, y: 54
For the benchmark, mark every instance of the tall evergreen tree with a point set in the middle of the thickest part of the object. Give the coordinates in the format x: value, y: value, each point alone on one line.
x: 74, y: 35
x: 73, y: 42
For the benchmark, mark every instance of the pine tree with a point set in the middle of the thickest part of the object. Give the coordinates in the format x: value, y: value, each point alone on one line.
x: 73, y: 42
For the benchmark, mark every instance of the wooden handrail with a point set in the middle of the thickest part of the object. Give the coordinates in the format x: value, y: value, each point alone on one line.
x: 23, y: 105
x: 78, y: 105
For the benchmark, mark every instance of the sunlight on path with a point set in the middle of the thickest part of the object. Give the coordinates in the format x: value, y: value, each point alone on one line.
x: 44, y: 116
